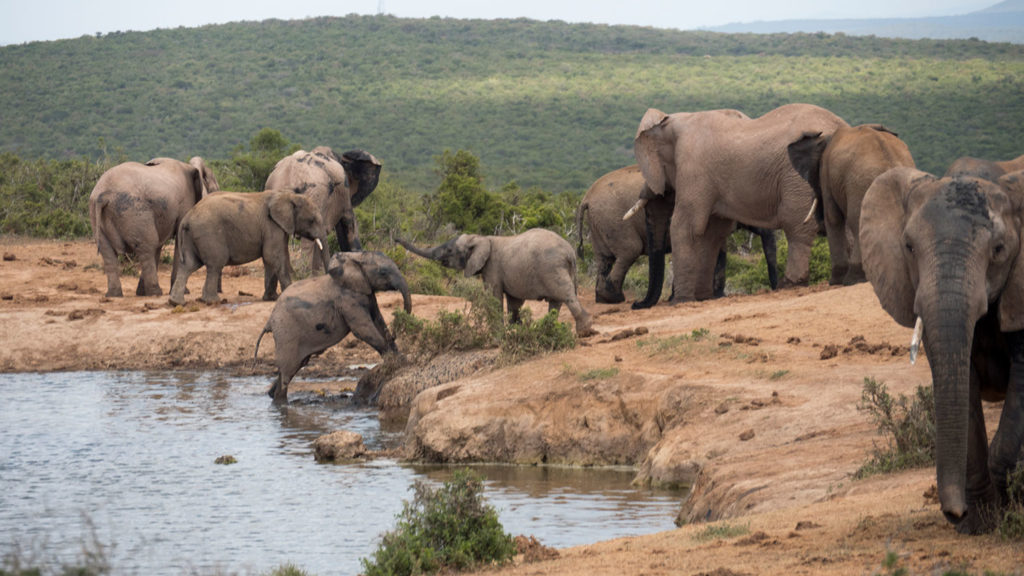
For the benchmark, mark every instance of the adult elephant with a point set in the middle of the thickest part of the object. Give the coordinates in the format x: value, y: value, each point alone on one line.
x: 135, y: 208
x: 726, y: 167
x: 617, y: 242
x: 946, y: 252
x: 335, y: 183
x: 316, y: 313
x: 840, y: 167
x: 535, y: 265
x: 232, y: 228
x: 987, y: 169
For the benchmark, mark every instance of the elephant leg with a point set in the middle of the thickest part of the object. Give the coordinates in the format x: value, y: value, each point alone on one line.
x: 185, y: 269
x: 855, y: 273
x: 770, y: 255
x: 276, y: 269
x: 1008, y: 442
x: 616, y: 279
x: 713, y: 243
x: 514, y: 305
x: 213, y: 273
x: 798, y: 263
x: 607, y: 291
x: 347, y: 234
x: 838, y: 246
x: 111, y: 267
x: 718, y: 284
x: 149, y: 284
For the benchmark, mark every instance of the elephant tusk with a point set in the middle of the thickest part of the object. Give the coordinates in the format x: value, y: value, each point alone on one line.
x: 810, y: 213
x: 636, y: 208
x: 319, y: 244
x: 915, y: 340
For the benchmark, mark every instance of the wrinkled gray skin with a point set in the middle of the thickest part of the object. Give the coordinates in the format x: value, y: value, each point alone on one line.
x: 727, y: 168
x: 535, y: 265
x: 135, y: 208
x: 232, y: 228
x: 947, y: 251
x: 617, y: 243
x: 984, y: 169
x: 335, y: 183
x: 316, y: 313
x: 840, y: 168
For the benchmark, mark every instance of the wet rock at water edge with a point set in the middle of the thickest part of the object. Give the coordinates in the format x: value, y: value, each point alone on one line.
x: 225, y: 459
x: 340, y: 445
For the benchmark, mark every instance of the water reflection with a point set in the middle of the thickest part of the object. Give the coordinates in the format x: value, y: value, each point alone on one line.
x: 132, y: 455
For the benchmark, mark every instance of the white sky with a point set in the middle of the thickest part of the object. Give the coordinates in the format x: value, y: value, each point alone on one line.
x: 28, y: 20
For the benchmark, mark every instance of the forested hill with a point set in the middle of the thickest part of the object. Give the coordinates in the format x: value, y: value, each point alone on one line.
x: 548, y: 104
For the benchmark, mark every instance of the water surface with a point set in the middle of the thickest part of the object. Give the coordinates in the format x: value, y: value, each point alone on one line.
x: 128, y: 458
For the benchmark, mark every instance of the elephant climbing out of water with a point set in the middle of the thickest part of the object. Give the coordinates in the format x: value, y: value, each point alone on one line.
x: 135, y: 208
x: 535, y: 265
x: 944, y: 255
x: 314, y: 314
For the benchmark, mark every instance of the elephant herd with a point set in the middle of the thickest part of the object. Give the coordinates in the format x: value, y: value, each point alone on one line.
x: 942, y: 253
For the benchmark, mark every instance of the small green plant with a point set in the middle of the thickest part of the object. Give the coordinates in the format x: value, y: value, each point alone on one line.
x: 778, y: 374
x: 528, y: 337
x: 908, y: 425
x: 287, y: 570
x: 448, y: 528
x: 891, y: 565
x: 722, y: 531
x: 679, y: 345
x: 599, y: 374
x: 481, y: 327
x: 1011, y: 526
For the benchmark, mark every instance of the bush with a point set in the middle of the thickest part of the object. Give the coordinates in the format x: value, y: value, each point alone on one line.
x: 529, y: 338
x: 480, y: 328
x: 1011, y: 527
x: 908, y: 425
x: 451, y: 527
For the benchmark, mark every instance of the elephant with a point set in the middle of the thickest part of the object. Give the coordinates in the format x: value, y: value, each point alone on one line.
x: 943, y: 255
x: 618, y: 242
x: 231, y: 228
x: 726, y: 167
x: 321, y: 173
x: 316, y: 313
x: 986, y: 169
x: 135, y: 208
x: 535, y: 265
x: 839, y: 169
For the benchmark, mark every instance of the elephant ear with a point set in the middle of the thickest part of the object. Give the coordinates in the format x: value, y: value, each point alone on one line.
x: 645, y: 148
x: 883, y: 217
x: 805, y: 155
x: 479, y: 254
x: 207, y: 181
x: 281, y: 208
x: 348, y: 271
x: 1011, y: 301
x: 364, y: 170
x: 881, y: 128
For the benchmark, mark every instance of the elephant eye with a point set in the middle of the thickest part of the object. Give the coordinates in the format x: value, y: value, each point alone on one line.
x: 998, y: 250
x: 910, y: 247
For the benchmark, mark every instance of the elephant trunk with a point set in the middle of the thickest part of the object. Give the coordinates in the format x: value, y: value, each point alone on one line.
x: 398, y: 283
x: 655, y: 280
x: 432, y: 253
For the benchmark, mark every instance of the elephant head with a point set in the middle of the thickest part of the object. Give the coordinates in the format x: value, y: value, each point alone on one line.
x: 298, y: 216
x: 466, y: 252
x: 947, y: 251
x: 369, y: 272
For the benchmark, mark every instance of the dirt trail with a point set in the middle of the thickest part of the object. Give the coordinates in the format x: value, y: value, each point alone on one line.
x: 756, y: 395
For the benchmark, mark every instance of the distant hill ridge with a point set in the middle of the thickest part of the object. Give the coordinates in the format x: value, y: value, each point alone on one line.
x: 1002, y: 22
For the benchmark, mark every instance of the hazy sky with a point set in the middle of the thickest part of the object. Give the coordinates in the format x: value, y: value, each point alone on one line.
x: 25, y: 21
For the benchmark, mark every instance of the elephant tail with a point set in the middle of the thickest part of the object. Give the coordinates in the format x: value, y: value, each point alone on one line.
x: 584, y: 206
x: 256, y: 354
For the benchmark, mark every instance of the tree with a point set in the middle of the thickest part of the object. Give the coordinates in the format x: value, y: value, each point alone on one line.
x: 253, y: 166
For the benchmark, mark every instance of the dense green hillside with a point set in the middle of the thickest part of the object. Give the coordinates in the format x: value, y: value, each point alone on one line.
x: 548, y: 104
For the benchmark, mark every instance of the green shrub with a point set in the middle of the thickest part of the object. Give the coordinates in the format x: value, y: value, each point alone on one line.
x: 528, y: 337
x: 1011, y: 526
x: 287, y: 570
x: 451, y: 527
x: 721, y: 531
x: 453, y: 330
x: 908, y: 425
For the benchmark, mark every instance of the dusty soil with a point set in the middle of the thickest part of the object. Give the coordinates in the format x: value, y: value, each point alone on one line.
x: 753, y: 397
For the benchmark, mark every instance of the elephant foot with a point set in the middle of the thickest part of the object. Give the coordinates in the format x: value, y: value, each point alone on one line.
x: 980, y: 520
x: 614, y: 298
x: 115, y: 293
x: 854, y: 276
x: 269, y: 296
x: 787, y: 283
x: 586, y: 332
x: 176, y: 301
x: 641, y: 305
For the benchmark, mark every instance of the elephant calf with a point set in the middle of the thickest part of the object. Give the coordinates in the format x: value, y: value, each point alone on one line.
x: 535, y: 265
x: 316, y: 313
x: 231, y: 228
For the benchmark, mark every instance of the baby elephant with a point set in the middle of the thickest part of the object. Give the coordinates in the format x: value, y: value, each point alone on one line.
x: 316, y: 313
x: 231, y: 228
x: 535, y: 265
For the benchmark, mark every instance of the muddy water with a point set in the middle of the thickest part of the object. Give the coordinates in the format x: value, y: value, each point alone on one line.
x: 127, y: 460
